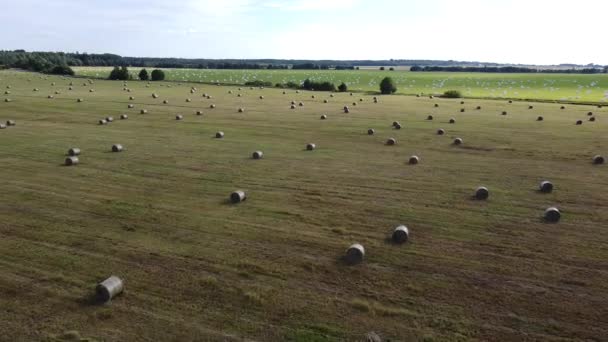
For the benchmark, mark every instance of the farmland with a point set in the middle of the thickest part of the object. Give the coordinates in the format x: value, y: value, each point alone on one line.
x: 551, y: 87
x: 197, y: 267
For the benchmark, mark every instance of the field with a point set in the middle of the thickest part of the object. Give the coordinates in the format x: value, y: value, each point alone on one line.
x: 197, y: 267
x: 558, y: 87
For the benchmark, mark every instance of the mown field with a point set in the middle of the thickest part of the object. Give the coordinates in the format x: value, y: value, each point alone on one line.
x: 196, y: 267
x: 558, y: 87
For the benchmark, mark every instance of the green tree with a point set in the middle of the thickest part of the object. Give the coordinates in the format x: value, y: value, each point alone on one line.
x: 343, y: 87
x: 158, y: 75
x: 114, y: 74
x: 382, y: 68
x: 143, y: 75
x: 387, y: 86
x: 452, y: 94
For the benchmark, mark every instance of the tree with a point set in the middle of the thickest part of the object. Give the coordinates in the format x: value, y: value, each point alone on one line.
x: 452, y: 94
x: 143, y: 75
x: 121, y: 73
x: 387, y: 86
x: 382, y: 68
x: 158, y: 75
x: 62, y: 70
x: 343, y: 87
x: 391, y: 69
x: 114, y: 74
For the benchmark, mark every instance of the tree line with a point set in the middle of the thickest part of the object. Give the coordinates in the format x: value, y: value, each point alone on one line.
x: 509, y: 69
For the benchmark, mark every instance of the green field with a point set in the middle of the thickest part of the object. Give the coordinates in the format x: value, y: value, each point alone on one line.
x: 199, y: 268
x: 558, y: 87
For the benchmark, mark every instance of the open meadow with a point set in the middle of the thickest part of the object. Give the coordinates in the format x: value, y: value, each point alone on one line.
x: 198, y: 267
x: 559, y: 87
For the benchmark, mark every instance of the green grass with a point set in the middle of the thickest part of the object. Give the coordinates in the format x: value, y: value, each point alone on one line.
x: 198, y: 268
x: 547, y: 87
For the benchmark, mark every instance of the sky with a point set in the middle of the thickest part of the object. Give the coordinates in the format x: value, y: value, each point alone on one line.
x: 539, y: 32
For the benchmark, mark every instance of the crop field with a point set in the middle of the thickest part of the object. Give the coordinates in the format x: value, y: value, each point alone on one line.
x: 197, y: 267
x: 552, y: 87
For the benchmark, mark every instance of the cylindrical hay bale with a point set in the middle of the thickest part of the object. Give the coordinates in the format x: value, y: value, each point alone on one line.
x: 9, y: 100
x: 208, y: 97
x: 452, y: 120
x: 458, y: 141
x: 370, y: 131
x: 293, y: 102
x: 355, y: 254
x: 391, y: 141
x: 436, y: 105
x: 530, y: 107
x: 165, y: 101
x: 351, y: 94
x: 131, y: 98
x: 346, y: 110
x: 293, y: 107
x: 131, y: 106
x: 354, y: 103
x: 219, y: 135
x: 579, y: 122
x: 10, y: 123
x: 430, y: 117
x: 395, y: 123
x: 325, y: 101
x: 50, y: 96
x: 80, y: 100
x: 91, y: 90
x: 229, y: 91
x: 103, y: 122
x: 188, y: 100
x: 431, y: 97
x: 552, y: 214
x: 461, y: 102
x: 598, y: 160
x: 179, y: 117
x: 592, y: 119
x: 504, y: 113
x: 117, y: 148
x: 462, y: 110
x: 414, y: 160
x: 440, y: 131
x: 212, y: 106
x: 241, y: 110
x: 510, y: 101
x: 540, y: 118
x: 397, y: 126
x: 262, y: 97
x: 545, y: 186
x: 2, y: 126
x: 401, y: 234
x: 7, y: 92
x: 74, y: 151
x: 110, y: 119
x: 478, y: 107
x: 323, y: 117
x: 360, y: 100
x: 482, y: 193
x: 375, y: 100
x: 71, y: 160
x: 109, y: 288
x: 301, y: 104
x: 144, y: 111
x: 238, y: 196
x: 257, y: 155
x: 199, y: 112
x: 562, y: 107
x: 155, y: 96
x: 331, y: 95
x: 124, y: 116
x: 590, y: 114
x: 310, y: 146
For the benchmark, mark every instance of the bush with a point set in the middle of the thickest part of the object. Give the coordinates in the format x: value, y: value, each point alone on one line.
x: 62, y: 70
x: 343, y: 87
x: 143, y: 75
x: 320, y: 86
x: 391, y: 69
x: 452, y: 94
x: 121, y: 73
x: 258, y: 83
x: 382, y: 68
x: 387, y: 86
x: 158, y: 75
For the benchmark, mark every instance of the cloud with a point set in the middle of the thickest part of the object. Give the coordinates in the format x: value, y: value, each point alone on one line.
x: 312, y: 5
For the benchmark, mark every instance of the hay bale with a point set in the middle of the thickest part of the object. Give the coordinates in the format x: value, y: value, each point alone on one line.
x: 440, y: 131
x: 155, y: 96
x: 312, y: 97
x: 401, y: 234
x: 430, y: 117
x: 2, y: 126
x: 395, y: 123
x: 478, y: 107
x: 504, y: 113
x: 239, y: 95
x: 436, y: 105
x: 351, y: 94
x: 510, y: 101
x: 70, y: 88
x: 241, y: 110
x: 293, y: 107
x: 391, y: 141
x: 131, y: 106
x: 109, y: 288
x: 110, y: 119
x: 7, y: 100
x: 592, y: 119
x: 91, y: 90
x: 563, y: 107
x: 293, y: 102
x: 124, y: 117
x: 50, y: 96
x: 431, y: 97
x: 74, y: 151
x: 552, y: 215
x: 188, y: 100
x: 310, y: 146
x: 229, y: 91
x: 117, y: 148
x: 354, y: 103
x: 219, y: 135
x: 238, y: 196
x: 371, y: 131
x: 414, y: 160
x: 284, y: 92
x: 599, y: 106
x: 482, y: 193
x: 530, y: 107
x: 36, y: 89
x: 72, y: 160
x: 462, y: 110
x: 461, y: 102
x: 199, y: 112
x: 261, y: 97
x: 397, y: 126
x: 452, y: 120
x: 80, y: 100
x: 323, y: 117
x: 212, y: 106
x: 325, y: 101
x: 7, y: 92
x: 375, y: 101
x: 598, y: 159
x: 331, y: 95
x: 458, y: 141
x: 165, y: 102
x: 354, y: 254
x: 360, y: 99
x: 540, y: 118
x: 590, y: 114
x: 131, y: 98
x: 545, y: 186
x: 579, y: 122
x: 301, y: 104
x: 103, y: 122
x: 346, y: 110
x: 179, y: 117
x: 257, y: 155
x: 297, y: 91
x: 10, y: 123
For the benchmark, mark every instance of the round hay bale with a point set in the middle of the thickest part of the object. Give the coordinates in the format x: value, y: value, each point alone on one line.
x: 72, y: 160
x: 53, y: 84
x: 110, y: 119
x: 238, y: 196
x: 74, y: 151
x: 461, y: 102
x: 257, y: 155
x: 297, y: 91
x: 70, y: 88
x: 355, y: 254
x: 50, y: 96
x: 331, y: 95
x: 414, y: 160
x: 540, y: 118
x: 592, y: 119
x: 154, y: 95
x: 598, y: 160
x: 440, y: 131
x: 346, y: 110
x: 284, y: 92
x: 165, y: 102
x: 238, y: 95
x: 530, y: 107
x: 312, y: 97
x: 261, y: 97
x: 590, y: 114
x: 36, y: 89
x: 241, y: 110
x: 10, y: 123
x: 57, y: 93
x: 80, y: 100
x: 325, y: 101
x: 188, y: 100
x: 458, y: 141
x: 7, y: 100
x: 401, y: 234
x: 482, y: 193
x: 205, y: 94
x: 212, y: 106
x: 545, y: 186
x: 563, y: 107
x: 351, y: 94
x: 219, y: 135
x: 131, y: 98
x: 431, y: 97
x: 478, y: 107
x: 371, y: 131
x: 360, y: 100
x: 143, y: 111
x: 117, y: 148
x: 552, y: 215
x: 510, y: 101
x: 108, y: 289
x: 301, y: 104
x: 452, y: 120
x: 91, y: 90
x: 436, y: 105
x: 124, y: 117
x: 179, y: 117
x: 229, y: 91
x: 579, y: 122
x: 395, y: 123
x: 131, y: 106
x: 310, y: 146
x: 7, y: 92
x: 391, y: 141
x: 293, y: 107
x: 323, y: 117
x: 2, y: 126
x: 462, y: 110
x: 103, y: 122
x: 504, y: 113
x: 354, y: 103
x: 430, y: 117
x: 397, y: 126
x: 375, y: 101
x: 599, y: 106
x: 293, y: 102
x: 199, y: 112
